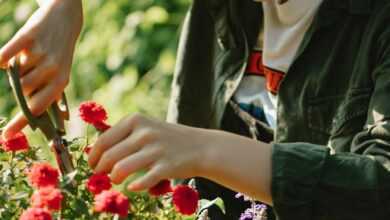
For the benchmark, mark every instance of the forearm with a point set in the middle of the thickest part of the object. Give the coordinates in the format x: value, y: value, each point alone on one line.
x: 239, y: 163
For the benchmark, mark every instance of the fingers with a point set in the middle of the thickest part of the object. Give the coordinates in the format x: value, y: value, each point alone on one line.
x: 37, y: 105
x: 131, y: 164
x: 150, y: 179
x: 36, y: 79
x: 28, y: 59
x: 116, y: 153
x: 111, y: 137
x: 19, y: 42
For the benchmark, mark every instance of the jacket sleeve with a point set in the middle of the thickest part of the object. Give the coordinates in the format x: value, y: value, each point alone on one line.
x: 310, y: 182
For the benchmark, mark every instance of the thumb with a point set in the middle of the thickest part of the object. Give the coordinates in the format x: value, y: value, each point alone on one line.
x: 19, y: 42
x: 14, y: 126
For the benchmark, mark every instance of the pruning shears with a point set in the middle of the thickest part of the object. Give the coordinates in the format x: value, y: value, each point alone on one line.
x: 51, y: 122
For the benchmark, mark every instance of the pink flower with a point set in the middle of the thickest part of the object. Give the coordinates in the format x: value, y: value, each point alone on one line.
x: 35, y: 214
x: 47, y: 197
x: 92, y: 113
x: 43, y: 175
x: 163, y: 187
x: 98, y: 182
x: 185, y: 199
x: 112, y: 202
x: 16, y: 143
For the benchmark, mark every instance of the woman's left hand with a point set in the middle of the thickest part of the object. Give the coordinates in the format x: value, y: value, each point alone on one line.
x: 177, y: 151
x: 136, y: 143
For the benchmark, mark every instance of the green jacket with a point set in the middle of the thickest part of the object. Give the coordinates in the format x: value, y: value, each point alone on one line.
x: 331, y: 149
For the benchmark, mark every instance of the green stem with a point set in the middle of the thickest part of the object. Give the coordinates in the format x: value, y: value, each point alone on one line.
x: 11, y: 164
x: 85, y: 146
x: 87, y: 136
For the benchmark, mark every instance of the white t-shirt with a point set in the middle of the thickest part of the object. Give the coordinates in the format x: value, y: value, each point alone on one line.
x: 283, y: 30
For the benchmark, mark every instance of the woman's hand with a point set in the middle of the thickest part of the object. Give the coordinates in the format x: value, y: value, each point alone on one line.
x: 176, y: 151
x: 138, y: 143
x: 45, y: 46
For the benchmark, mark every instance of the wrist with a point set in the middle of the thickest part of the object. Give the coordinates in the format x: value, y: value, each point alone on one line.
x: 209, y: 152
x: 237, y: 162
x: 71, y: 10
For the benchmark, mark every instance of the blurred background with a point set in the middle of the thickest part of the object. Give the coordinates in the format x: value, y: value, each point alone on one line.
x: 124, y: 58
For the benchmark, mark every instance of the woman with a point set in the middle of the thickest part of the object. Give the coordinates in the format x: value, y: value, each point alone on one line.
x: 310, y: 80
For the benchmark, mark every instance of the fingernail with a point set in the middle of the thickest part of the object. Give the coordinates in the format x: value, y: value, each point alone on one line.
x: 133, y: 187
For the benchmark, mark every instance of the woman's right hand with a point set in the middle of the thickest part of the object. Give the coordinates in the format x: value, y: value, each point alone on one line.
x: 45, y: 46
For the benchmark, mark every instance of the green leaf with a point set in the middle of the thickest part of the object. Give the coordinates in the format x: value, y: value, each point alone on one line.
x: 7, y: 177
x: 4, y: 157
x: 3, y: 121
x: 205, y: 204
x: 69, y: 178
x: 19, y: 196
x: 192, y: 183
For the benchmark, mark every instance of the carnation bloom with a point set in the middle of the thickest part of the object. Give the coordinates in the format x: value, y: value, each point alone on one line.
x: 98, y: 182
x: 92, y: 113
x: 163, y: 187
x: 35, y: 214
x: 47, y: 197
x: 185, y: 199
x: 16, y: 143
x: 43, y: 175
x: 112, y: 202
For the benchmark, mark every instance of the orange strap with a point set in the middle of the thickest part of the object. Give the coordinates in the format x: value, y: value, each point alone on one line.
x: 255, y: 67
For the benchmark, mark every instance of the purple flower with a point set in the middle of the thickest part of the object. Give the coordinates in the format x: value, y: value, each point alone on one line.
x: 247, y: 215
x: 259, y: 207
x: 255, y: 212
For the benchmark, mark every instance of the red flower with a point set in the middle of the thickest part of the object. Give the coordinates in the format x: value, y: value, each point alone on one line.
x: 163, y: 187
x: 16, y: 143
x: 185, y: 199
x: 35, y: 214
x: 101, y: 126
x: 113, y: 202
x: 47, y: 197
x: 98, y: 182
x: 43, y: 175
x: 92, y: 113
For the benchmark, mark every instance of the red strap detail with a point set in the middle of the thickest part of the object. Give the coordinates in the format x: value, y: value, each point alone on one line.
x: 273, y: 78
x: 255, y: 67
x: 255, y: 64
